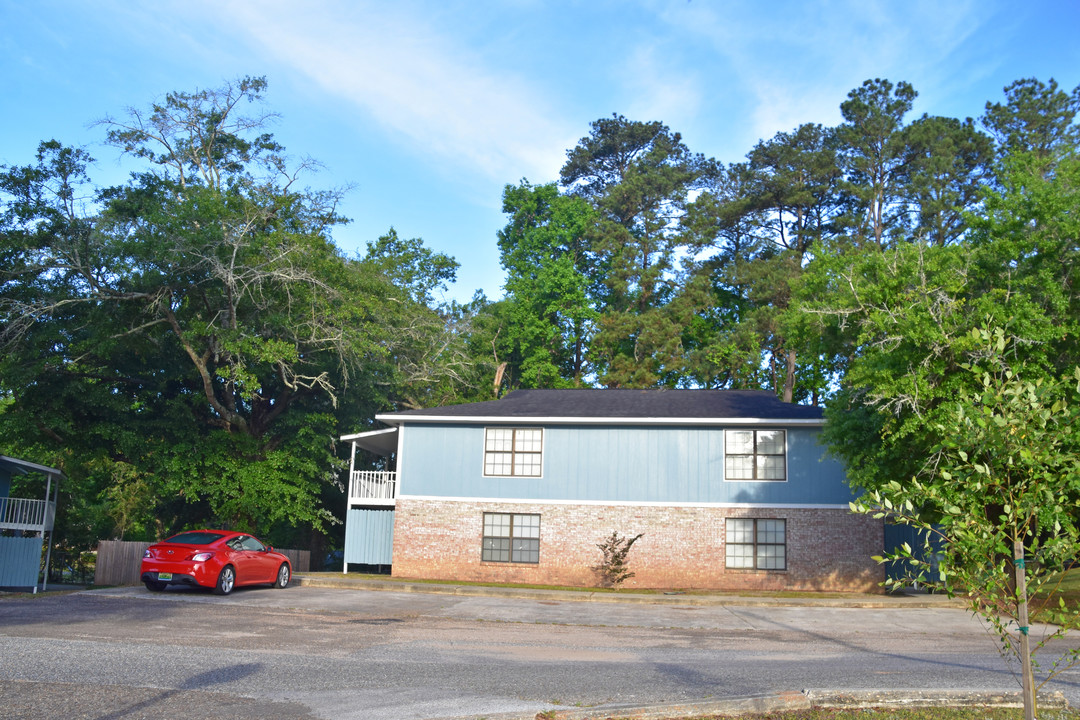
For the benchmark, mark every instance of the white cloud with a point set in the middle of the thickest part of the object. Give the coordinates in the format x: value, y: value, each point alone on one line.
x: 660, y: 90
x: 798, y: 61
x: 426, y: 89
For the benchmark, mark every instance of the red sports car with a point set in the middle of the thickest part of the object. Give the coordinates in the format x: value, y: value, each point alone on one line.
x: 218, y: 559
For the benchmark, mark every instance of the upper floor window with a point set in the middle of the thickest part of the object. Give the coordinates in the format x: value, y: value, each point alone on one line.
x: 755, y: 455
x: 513, y: 451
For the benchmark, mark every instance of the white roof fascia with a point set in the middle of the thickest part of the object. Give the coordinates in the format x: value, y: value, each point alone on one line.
x: 369, y: 433
x: 27, y: 465
x: 500, y: 420
x: 381, y: 442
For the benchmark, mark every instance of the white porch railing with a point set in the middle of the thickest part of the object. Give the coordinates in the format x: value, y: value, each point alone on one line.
x: 373, y: 487
x: 26, y: 514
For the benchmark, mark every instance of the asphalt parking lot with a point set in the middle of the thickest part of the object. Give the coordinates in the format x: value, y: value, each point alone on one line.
x: 347, y: 653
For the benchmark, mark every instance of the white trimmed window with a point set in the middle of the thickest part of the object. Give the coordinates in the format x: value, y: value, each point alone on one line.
x: 516, y: 452
x: 755, y: 455
x: 511, y: 537
x: 755, y: 544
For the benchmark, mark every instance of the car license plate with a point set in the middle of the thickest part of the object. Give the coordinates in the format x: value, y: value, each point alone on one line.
x: 164, y: 576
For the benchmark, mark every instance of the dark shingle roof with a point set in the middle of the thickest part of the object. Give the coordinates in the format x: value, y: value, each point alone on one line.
x: 623, y: 404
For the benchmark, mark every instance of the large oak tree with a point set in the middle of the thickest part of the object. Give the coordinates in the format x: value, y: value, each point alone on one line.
x: 196, y: 331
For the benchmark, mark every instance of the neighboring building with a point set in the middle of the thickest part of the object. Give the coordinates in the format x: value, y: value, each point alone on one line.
x: 732, y: 490
x: 24, y: 524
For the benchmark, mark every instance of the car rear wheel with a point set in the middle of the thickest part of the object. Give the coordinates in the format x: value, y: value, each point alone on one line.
x: 154, y: 585
x: 226, y: 580
x: 283, y: 576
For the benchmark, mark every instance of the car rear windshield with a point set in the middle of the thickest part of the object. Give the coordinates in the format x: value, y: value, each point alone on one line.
x: 195, y: 538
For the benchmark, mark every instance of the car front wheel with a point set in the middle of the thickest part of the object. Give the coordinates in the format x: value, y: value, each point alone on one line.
x: 283, y: 576
x: 226, y: 581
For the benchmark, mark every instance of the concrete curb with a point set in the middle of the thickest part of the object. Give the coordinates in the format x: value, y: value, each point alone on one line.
x: 792, y: 702
x: 780, y: 702
x: 930, y: 698
x: 705, y: 599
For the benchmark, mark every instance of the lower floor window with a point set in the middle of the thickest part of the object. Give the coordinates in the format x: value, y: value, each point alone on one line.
x: 756, y: 544
x: 511, y: 537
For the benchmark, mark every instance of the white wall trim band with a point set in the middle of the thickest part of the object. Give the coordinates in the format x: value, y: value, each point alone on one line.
x: 626, y: 503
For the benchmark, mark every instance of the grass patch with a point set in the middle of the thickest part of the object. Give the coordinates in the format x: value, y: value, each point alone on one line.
x: 20, y: 595
x: 468, y: 583
x: 929, y: 713
x: 1065, y: 587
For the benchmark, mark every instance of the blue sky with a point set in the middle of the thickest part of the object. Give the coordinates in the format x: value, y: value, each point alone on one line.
x: 428, y: 109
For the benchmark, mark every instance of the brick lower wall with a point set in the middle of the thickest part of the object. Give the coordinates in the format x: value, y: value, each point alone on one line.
x: 682, y: 547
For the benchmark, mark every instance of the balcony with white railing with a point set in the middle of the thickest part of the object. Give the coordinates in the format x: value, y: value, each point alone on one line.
x: 373, y: 487
x: 26, y: 514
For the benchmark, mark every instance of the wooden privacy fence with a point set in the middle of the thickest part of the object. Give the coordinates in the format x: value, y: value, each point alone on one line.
x: 300, y: 559
x: 118, y: 561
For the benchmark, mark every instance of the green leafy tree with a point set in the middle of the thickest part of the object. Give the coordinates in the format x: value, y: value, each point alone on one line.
x: 411, y: 267
x: 905, y: 316
x: 196, y: 326
x: 553, y: 285
x: 873, y: 153
x: 725, y: 229
x: 945, y: 168
x: 797, y: 183
x: 759, y: 223
x: 638, y: 177
x: 901, y: 312
x: 799, y: 188
x: 951, y: 414
x: 1037, y: 119
x: 998, y: 504
x: 429, y: 363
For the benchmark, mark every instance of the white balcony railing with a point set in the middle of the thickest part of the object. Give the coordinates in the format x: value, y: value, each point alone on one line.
x: 26, y: 514
x: 373, y: 487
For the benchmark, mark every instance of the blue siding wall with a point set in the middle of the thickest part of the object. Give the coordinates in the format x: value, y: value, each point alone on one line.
x: 369, y: 536
x: 620, y: 464
x: 20, y: 561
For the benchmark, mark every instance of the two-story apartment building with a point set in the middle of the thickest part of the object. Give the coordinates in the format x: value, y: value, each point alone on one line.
x: 729, y: 489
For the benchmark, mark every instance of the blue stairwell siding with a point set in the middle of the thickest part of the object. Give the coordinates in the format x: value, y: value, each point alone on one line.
x: 20, y: 561
x: 369, y: 536
x: 617, y: 464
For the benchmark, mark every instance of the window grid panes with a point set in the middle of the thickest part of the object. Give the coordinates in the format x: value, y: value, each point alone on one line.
x: 511, y: 537
x: 755, y: 544
x: 514, y: 452
x: 755, y: 455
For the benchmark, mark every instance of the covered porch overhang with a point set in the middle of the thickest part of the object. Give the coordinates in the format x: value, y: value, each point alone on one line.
x: 27, y: 513
x: 30, y: 519
x: 380, y: 442
x: 372, y: 488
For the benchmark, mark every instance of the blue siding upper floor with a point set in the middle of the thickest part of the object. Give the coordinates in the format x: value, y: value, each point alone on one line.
x: 595, y: 463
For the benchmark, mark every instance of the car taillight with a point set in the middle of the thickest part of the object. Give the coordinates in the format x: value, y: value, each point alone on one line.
x: 147, y: 554
x: 202, y: 557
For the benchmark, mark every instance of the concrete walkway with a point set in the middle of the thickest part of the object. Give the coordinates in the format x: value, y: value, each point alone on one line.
x: 909, y: 599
